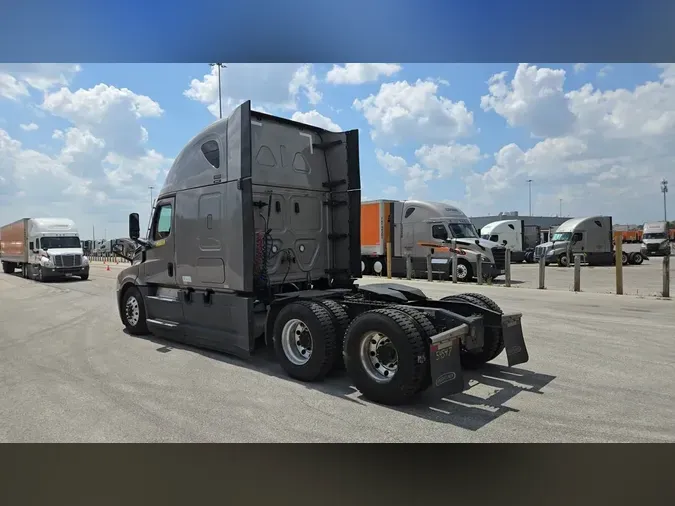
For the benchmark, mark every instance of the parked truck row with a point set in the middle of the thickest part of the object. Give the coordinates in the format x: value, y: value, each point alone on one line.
x: 416, y: 228
x: 43, y: 249
x: 254, y: 239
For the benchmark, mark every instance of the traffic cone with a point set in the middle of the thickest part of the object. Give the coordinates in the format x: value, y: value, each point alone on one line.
x: 107, y: 267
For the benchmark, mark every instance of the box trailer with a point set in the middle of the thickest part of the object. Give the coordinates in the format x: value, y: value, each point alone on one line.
x: 43, y: 249
x: 254, y: 240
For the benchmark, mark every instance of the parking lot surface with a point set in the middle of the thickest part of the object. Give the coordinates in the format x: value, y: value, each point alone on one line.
x: 601, y: 370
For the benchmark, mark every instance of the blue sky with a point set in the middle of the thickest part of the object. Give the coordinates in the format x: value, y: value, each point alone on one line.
x: 86, y: 141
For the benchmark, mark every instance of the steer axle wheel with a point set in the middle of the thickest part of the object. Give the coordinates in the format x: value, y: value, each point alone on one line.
x: 133, y: 312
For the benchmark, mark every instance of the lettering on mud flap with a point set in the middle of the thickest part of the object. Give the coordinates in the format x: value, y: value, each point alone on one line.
x: 445, y: 377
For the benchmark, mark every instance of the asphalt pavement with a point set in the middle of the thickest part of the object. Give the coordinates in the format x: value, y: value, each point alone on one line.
x: 601, y: 370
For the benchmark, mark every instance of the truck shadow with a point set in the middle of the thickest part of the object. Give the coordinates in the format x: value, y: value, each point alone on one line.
x: 490, y: 388
x: 482, y: 403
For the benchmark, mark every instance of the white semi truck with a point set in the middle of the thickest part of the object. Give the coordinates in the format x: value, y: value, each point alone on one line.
x: 43, y: 249
x: 655, y: 239
x: 521, y: 239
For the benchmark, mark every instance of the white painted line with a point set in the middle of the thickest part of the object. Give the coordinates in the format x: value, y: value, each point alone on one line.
x: 311, y: 145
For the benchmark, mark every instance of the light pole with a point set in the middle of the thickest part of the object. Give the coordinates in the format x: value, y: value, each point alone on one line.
x: 529, y: 182
x: 220, y: 96
x: 664, y: 190
x: 150, y: 188
x: 560, y: 215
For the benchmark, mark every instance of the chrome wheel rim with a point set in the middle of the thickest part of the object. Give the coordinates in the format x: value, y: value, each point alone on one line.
x: 379, y: 357
x: 133, y: 311
x: 296, y: 341
x: 462, y: 271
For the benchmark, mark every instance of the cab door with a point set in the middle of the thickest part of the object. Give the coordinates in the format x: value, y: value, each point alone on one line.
x: 162, y: 301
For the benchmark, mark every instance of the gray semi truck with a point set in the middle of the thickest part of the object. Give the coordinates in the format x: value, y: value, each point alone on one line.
x: 591, y: 236
x: 254, y: 242
x: 416, y: 228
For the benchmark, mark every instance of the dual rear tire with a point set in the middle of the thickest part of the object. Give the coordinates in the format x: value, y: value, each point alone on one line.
x: 385, y: 351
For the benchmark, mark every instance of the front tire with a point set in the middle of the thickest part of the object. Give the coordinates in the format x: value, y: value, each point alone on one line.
x: 8, y: 268
x: 133, y: 312
x: 464, y: 271
x: 386, y: 356
x: 84, y: 277
x: 304, y: 340
x: 563, y: 261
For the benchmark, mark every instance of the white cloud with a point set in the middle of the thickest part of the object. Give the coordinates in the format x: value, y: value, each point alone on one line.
x: 28, y: 127
x: 534, y: 99
x: 615, y: 147
x: 17, y: 78
x: 304, y: 81
x: 580, y: 67
x: 394, y: 164
x: 605, y: 70
x: 448, y: 158
x: 434, y: 162
x: 402, y: 112
x: 101, y: 165
x: 108, y: 112
x: 42, y: 76
x: 11, y: 87
x: 415, y: 177
x: 359, y: 73
x: 317, y: 119
x: 273, y: 87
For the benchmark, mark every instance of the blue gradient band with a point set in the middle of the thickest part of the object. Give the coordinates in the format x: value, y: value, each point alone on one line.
x: 342, y: 30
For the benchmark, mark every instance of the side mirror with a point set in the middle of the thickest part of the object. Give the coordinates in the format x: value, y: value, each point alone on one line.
x: 504, y: 242
x: 134, y: 226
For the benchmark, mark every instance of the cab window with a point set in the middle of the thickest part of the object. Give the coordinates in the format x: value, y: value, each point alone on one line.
x: 439, y: 232
x: 577, y: 237
x: 163, y: 222
x: 494, y: 238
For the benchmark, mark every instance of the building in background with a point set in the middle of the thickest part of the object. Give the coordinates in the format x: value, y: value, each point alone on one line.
x: 544, y: 222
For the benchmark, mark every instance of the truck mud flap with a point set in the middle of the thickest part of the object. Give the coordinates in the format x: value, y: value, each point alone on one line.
x: 445, y: 364
x: 514, y: 342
